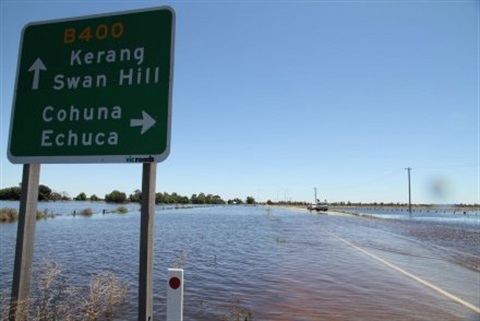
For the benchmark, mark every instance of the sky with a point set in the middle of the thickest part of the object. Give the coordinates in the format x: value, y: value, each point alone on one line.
x: 272, y: 99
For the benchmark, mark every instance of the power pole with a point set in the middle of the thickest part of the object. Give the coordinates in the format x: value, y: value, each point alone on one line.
x: 315, y: 189
x: 409, y: 191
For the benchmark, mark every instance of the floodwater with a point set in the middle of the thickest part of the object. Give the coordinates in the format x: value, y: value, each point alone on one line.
x: 434, y: 214
x: 283, y: 264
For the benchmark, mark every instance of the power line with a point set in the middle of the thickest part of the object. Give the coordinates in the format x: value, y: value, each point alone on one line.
x: 438, y: 167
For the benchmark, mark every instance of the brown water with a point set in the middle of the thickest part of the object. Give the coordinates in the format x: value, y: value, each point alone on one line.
x: 282, y: 264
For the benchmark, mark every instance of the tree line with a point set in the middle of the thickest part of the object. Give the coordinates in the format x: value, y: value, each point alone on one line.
x: 45, y: 193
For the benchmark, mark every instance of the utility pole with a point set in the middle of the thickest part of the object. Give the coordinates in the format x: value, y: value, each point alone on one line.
x: 409, y: 191
x: 315, y: 189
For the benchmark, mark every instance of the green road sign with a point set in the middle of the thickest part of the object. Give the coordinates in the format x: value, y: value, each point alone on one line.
x: 94, y: 89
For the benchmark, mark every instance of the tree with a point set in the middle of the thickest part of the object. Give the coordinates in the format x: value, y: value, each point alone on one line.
x: 136, y: 196
x: 193, y: 199
x: 44, y: 193
x: 250, y: 200
x: 213, y: 199
x: 200, y: 199
x: 81, y: 197
x: 206, y: 199
x: 158, y: 198
x: 94, y: 198
x: 183, y: 200
x: 167, y: 199
x: 10, y: 193
x: 116, y: 197
x: 235, y: 201
x: 54, y: 196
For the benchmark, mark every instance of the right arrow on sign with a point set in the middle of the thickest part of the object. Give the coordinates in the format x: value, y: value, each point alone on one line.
x: 36, y: 67
x: 146, y: 122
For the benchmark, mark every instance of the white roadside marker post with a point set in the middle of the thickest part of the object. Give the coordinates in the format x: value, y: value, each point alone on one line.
x: 175, y: 295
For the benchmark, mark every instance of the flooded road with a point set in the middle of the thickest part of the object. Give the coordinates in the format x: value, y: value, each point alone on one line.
x: 282, y: 264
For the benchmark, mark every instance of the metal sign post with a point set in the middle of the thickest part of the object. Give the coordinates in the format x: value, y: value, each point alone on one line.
x: 145, y: 292
x: 22, y: 270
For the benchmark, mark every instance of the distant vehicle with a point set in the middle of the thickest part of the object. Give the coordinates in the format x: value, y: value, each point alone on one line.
x: 318, y: 206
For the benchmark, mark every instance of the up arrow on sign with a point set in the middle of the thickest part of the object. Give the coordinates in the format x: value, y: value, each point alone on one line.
x: 146, y: 122
x: 36, y: 67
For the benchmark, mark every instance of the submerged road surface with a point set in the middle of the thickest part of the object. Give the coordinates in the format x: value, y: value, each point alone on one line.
x: 374, y: 269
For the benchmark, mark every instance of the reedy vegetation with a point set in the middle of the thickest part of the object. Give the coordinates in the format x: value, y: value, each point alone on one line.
x: 8, y: 215
x: 11, y: 215
x: 54, y: 299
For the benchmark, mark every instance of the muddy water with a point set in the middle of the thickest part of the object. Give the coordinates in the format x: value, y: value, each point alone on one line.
x: 281, y: 264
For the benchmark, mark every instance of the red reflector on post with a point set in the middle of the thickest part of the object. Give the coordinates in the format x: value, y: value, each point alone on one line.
x: 174, y: 283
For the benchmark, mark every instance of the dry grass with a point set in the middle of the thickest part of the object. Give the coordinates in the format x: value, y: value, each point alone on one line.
x: 55, y: 300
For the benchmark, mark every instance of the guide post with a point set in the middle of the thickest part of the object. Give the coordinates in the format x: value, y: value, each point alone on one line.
x: 175, y: 295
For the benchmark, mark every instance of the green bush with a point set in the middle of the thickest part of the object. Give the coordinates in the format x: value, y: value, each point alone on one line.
x: 116, y: 197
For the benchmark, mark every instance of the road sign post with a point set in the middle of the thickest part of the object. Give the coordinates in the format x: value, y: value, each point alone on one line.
x: 22, y: 270
x: 94, y: 89
x: 145, y: 283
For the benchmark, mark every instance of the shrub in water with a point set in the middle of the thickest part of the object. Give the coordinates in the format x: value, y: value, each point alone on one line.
x: 43, y: 215
x: 8, y: 215
x: 86, y: 212
x: 121, y: 210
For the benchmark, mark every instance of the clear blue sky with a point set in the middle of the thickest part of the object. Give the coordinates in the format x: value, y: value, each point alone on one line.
x: 274, y: 98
